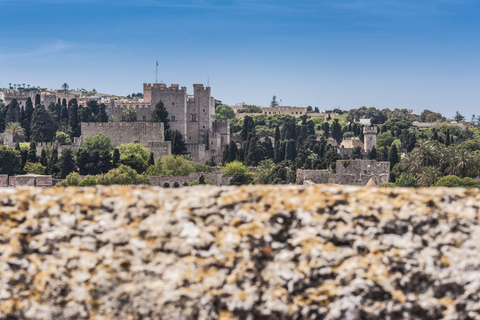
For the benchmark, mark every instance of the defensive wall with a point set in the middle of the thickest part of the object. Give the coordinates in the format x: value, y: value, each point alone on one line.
x: 148, y: 134
x: 29, y: 180
x: 250, y: 252
x: 182, y: 181
x: 359, y: 172
x: 315, y: 176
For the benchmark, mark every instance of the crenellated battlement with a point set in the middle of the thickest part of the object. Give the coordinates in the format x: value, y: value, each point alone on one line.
x: 136, y: 124
x: 162, y: 87
x: 369, y: 130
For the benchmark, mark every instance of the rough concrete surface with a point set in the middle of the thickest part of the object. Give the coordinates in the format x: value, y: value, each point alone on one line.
x: 258, y: 252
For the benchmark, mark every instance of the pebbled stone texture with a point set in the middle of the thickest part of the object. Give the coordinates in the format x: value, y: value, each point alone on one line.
x: 256, y: 252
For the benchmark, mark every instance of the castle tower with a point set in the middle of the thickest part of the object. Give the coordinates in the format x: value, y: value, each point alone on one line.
x: 370, y: 138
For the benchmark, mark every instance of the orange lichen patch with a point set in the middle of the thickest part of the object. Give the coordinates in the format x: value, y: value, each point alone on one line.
x: 251, y: 229
x: 203, y: 274
x: 242, y: 295
x: 399, y: 296
x: 323, y: 295
x: 446, y: 302
x: 445, y: 261
x: 280, y: 292
x: 225, y: 315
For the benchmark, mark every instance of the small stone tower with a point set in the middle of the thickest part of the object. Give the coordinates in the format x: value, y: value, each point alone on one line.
x: 370, y: 138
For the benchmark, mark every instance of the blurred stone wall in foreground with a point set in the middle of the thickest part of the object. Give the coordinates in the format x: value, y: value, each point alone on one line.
x: 257, y: 252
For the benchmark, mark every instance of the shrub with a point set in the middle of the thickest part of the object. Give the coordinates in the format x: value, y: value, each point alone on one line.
x: 72, y: 179
x: 122, y: 175
x: 454, y: 181
x: 88, y: 181
x: 34, y: 168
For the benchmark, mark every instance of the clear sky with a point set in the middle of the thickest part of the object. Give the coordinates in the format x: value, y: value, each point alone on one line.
x: 415, y: 54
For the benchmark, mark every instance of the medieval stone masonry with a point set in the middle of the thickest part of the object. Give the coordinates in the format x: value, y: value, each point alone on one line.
x: 149, y: 135
x: 192, y: 115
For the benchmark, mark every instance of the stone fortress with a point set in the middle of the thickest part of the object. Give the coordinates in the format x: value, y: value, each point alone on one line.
x: 351, y: 172
x: 192, y: 115
x: 45, y: 97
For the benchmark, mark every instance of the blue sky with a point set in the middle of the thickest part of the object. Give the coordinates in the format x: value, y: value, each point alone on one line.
x: 415, y: 54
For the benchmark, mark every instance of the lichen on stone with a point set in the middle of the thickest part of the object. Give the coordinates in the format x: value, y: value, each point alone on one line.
x: 252, y: 252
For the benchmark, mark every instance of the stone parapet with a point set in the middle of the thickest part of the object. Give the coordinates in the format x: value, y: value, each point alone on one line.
x: 257, y: 252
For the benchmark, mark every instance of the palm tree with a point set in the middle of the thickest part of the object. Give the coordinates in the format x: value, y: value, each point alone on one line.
x: 130, y: 114
x: 65, y: 86
x: 428, y: 176
x: 461, y: 163
x: 17, y: 130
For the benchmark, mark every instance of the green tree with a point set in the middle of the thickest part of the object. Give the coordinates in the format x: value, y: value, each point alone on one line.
x: 63, y: 138
x: 16, y: 130
x: 337, y: 131
x: 73, y: 121
x: 72, y: 179
x: 27, y: 121
x: 224, y: 112
x: 115, y: 158
x: 393, y: 156
x: 247, y: 128
x: 66, y: 164
x: 88, y: 181
x: 175, y: 165
x: 290, y: 149
x: 97, y: 142
x: 32, y: 152
x: 134, y: 155
x: 458, y: 117
x: 160, y: 114
x: 372, y: 155
x: 42, y: 128
x: 34, y: 168
x: 93, y: 162
x: 456, y: 182
x: 43, y: 157
x: 179, y: 146
x: 130, y: 114
x: 406, y: 179
x: 123, y: 175
x: 237, y: 167
x: 428, y: 176
x: 274, y: 102
x: 10, y: 161
x: 102, y: 114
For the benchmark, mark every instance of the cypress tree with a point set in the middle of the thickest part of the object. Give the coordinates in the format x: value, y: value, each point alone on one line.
x: 151, y: 160
x: 372, y: 155
x: 52, y: 164
x: 447, y: 138
x: 27, y: 121
x: 226, y: 154
x: 116, y: 158
x: 290, y: 150
x: 37, y: 100
x: 160, y: 114
x: 277, y: 134
x: 32, y: 152
x: 66, y: 163
x: 73, y: 117
x: 233, y: 151
x: 393, y: 157
x: 43, y: 158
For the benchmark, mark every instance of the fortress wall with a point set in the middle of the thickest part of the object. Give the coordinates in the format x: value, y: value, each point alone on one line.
x: 126, y: 132
x: 316, y: 176
x: 252, y: 252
